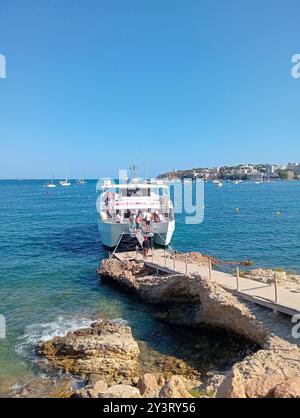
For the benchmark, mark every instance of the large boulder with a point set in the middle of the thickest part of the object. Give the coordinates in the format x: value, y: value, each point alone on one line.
x: 106, y: 349
x: 148, y: 386
x: 174, y: 388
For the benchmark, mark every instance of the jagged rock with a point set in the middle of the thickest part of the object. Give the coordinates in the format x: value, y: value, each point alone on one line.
x: 107, y: 349
x: 174, y: 388
x: 288, y: 389
x: 148, y: 386
x: 121, y: 391
x: 190, y: 300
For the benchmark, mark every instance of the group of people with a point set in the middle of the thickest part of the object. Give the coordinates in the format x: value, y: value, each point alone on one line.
x: 138, y: 219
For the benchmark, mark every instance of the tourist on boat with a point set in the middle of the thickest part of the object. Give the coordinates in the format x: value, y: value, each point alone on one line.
x: 148, y: 218
x: 133, y: 222
x: 146, y: 246
x: 118, y: 217
x: 138, y: 222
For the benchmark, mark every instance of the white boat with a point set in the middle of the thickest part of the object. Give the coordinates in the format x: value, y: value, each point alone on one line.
x: 81, y: 181
x: 65, y: 182
x: 218, y: 183
x: 51, y: 185
x: 120, y: 202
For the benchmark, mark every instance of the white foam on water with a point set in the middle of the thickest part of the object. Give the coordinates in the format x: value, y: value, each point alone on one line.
x: 46, y: 331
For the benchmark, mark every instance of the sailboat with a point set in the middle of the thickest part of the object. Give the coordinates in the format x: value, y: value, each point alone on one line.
x: 65, y: 182
x: 51, y: 185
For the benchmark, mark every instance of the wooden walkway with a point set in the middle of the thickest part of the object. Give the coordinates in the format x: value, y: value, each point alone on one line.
x: 288, y: 301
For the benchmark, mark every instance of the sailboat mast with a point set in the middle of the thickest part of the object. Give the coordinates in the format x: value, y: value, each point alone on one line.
x: 66, y: 171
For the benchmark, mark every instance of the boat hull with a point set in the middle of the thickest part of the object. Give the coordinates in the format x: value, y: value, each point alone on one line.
x: 111, y: 233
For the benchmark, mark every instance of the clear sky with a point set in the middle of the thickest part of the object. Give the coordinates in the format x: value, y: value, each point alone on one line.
x: 163, y: 83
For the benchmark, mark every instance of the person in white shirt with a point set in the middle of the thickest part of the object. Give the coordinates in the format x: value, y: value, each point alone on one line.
x: 148, y: 219
x: 118, y: 218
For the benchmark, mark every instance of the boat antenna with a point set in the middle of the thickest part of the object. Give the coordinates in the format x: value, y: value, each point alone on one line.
x: 134, y: 171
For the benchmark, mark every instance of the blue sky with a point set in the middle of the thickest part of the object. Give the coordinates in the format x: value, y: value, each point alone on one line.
x: 163, y: 83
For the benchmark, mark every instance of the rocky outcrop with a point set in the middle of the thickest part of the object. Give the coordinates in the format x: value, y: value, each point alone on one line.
x: 194, y: 300
x: 106, y: 349
x: 189, y: 300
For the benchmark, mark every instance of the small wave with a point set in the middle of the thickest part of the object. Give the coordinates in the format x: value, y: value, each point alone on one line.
x: 46, y: 331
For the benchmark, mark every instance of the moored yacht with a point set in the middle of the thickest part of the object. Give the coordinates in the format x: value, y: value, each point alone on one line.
x: 51, y: 185
x: 135, y: 209
x: 66, y: 182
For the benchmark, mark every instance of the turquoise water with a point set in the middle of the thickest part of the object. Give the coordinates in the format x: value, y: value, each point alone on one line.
x: 50, y: 249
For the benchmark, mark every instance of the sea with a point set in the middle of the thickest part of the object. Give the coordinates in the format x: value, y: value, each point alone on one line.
x: 50, y: 249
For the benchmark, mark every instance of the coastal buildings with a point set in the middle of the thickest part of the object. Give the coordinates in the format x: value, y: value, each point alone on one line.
x: 251, y: 172
x: 294, y: 167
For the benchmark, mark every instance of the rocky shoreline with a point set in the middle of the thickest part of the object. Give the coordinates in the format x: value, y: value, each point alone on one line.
x: 193, y: 300
x: 104, y: 360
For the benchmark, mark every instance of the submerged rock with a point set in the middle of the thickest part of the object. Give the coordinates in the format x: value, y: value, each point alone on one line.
x: 39, y: 387
x: 106, y: 349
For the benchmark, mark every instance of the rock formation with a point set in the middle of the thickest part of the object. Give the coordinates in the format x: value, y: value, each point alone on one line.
x: 189, y: 299
x: 105, y: 349
x: 194, y: 300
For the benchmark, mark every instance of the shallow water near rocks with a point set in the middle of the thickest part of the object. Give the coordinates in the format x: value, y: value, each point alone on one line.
x: 50, y: 249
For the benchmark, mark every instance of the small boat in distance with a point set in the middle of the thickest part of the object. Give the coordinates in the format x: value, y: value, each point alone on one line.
x: 81, y: 181
x: 51, y: 185
x: 218, y: 183
x: 65, y: 182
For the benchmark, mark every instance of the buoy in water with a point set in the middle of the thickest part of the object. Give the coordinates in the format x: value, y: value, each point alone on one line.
x: 237, y: 209
x: 278, y: 213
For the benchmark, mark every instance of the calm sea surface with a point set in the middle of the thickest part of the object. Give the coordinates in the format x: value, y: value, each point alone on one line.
x: 50, y: 249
